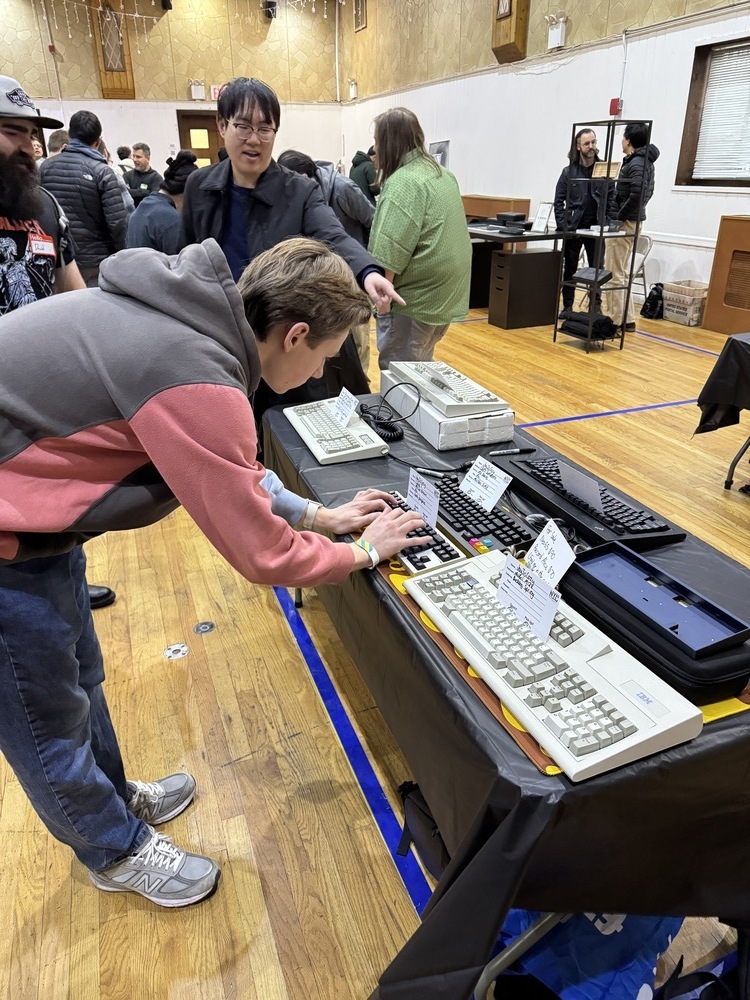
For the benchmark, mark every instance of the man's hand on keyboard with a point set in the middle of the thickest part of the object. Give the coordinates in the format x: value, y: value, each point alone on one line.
x: 389, y: 531
x: 354, y: 515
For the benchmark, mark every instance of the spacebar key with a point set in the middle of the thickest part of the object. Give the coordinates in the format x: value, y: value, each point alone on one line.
x: 467, y: 630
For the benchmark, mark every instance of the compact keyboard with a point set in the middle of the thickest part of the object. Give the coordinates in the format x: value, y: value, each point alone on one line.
x: 328, y: 440
x: 540, y: 480
x: 449, y: 391
x: 418, y: 558
x: 473, y: 528
x: 588, y: 703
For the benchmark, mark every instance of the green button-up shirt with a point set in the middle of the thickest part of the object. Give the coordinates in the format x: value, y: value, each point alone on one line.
x: 419, y: 232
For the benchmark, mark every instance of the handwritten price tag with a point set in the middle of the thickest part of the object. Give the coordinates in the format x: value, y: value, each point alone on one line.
x: 531, y: 600
x: 485, y: 483
x: 550, y: 555
x: 344, y: 407
x: 423, y: 497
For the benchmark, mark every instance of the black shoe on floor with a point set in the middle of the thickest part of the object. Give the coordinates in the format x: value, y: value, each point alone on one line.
x: 629, y: 327
x: 101, y: 597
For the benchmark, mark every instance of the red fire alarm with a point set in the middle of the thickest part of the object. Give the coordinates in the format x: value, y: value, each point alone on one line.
x: 52, y: 49
x: 615, y: 106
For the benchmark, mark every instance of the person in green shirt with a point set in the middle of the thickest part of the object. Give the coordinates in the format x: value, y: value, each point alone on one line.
x: 419, y: 235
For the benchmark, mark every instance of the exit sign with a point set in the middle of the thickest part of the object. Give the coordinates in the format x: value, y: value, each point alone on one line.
x: 215, y: 88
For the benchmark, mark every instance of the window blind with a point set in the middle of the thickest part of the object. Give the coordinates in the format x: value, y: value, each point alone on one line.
x: 724, y: 142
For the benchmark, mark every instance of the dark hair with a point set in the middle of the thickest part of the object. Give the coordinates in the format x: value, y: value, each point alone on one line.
x: 144, y: 148
x: 300, y: 163
x: 398, y: 133
x: 246, y: 94
x: 86, y: 127
x: 637, y: 134
x: 57, y: 140
x: 574, y: 152
x: 371, y: 151
x: 123, y: 152
x: 179, y: 168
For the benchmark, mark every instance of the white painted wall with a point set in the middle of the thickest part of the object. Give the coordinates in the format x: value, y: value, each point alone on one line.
x: 510, y: 127
x: 314, y: 128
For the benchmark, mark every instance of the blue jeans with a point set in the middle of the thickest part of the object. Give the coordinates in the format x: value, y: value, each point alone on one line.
x: 55, y: 729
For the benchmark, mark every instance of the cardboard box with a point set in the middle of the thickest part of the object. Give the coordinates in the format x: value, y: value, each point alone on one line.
x: 443, y: 432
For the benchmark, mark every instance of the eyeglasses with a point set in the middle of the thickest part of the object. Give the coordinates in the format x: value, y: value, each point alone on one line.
x: 264, y: 132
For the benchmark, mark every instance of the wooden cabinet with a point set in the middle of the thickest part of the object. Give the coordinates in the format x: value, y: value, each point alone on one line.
x: 728, y: 302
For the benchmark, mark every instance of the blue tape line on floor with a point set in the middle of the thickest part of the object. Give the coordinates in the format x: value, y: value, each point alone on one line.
x: 605, y: 413
x: 411, y: 874
x: 677, y: 343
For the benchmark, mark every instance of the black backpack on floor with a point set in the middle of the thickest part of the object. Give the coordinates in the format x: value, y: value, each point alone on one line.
x: 653, y: 306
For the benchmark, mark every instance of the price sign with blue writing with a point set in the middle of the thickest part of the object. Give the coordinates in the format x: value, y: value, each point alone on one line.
x: 423, y: 497
x: 485, y: 483
x: 531, y: 600
x: 550, y: 555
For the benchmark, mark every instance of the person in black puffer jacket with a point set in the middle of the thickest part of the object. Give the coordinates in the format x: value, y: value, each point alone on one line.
x: 635, y: 186
x: 86, y: 187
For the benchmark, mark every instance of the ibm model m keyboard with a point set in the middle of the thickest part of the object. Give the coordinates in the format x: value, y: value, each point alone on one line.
x: 449, y: 391
x: 589, y: 704
x: 328, y: 440
x: 540, y: 481
x: 473, y: 528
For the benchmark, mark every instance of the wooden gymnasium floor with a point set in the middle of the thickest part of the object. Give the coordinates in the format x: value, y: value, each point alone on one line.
x: 310, y: 904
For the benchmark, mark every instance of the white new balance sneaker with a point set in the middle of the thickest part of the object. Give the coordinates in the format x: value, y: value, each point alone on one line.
x: 158, y: 801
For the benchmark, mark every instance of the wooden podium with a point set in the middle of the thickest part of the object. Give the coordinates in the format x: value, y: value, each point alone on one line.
x: 728, y: 303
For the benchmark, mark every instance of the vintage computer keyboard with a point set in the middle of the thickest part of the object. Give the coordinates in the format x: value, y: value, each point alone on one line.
x: 539, y: 480
x: 449, y: 391
x: 328, y: 440
x: 473, y: 528
x: 418, y: 558
x: 588, y: 703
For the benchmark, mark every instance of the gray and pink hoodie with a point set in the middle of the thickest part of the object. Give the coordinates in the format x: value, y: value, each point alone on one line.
x: 118, y: 404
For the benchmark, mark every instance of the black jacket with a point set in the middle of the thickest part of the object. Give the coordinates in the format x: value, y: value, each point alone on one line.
x: 143, y: 182
x: 86, y: 187
x: 636, y: 175
x: 156, y: 223
x: 283, y: 204
x: 570, y: 197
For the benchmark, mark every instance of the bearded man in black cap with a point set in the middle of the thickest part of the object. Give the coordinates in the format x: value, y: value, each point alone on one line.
x: 37, y: 255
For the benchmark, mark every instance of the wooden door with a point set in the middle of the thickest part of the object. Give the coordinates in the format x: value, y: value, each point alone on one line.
x: 198, y: 131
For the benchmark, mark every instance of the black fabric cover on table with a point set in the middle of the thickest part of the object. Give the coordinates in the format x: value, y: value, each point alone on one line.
x: 665, y: 835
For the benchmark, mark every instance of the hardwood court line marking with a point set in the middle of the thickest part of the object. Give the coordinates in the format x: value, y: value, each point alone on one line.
x: 606, y: 413
x: 408, y: 868
x: 676, y: 343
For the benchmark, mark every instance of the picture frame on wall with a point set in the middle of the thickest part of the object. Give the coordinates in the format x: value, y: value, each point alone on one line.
x: 503, y: 9
x: 440, y: 151
x: 360, y: 14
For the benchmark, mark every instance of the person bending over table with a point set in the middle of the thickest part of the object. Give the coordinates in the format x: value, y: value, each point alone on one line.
x: 139, y: 403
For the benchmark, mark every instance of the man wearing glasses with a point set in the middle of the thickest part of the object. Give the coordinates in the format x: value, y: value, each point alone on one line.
x: 248, y: 203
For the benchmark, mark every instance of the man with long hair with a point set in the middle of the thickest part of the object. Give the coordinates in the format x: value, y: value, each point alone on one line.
x: 419, y: 234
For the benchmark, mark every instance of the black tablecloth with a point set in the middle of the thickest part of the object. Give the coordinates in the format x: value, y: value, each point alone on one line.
x: 663, y: 836
x: 727, y: 388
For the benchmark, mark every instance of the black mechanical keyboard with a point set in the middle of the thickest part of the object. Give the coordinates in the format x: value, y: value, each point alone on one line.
x: 421, y: 557
x: 473, y: 528
x: 540, y: 481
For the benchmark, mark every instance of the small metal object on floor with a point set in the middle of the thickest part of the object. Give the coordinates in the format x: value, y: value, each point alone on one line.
x: 203, y: 627
x: 176, y: 651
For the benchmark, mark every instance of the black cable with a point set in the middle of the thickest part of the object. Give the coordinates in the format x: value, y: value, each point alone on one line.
x: 385, y: 422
